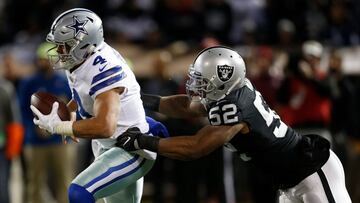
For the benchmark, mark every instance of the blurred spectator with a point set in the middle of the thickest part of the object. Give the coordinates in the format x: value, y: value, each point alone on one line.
x: 262, y: 77
x: 178, y: 20
x: 161, y: 84
x: 14, y: 68
x: 344, y: 122
x: 316, y: 21
x: 34, y: 19
x: 352, y: 130
x: 249, y: 21
x: 286, y: 34
x: 217, y: 19
x: 11, y: 135
x: 306, y: 95
x: 340, y: 89
x: 130, y: 23
x: 268, y: 84
x: 343, y: 30
x: 293, y: 10
x: 44, y: 155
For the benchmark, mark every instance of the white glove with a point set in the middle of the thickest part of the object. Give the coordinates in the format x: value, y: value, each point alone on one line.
x: 47, y: 122
x: 53, y: 124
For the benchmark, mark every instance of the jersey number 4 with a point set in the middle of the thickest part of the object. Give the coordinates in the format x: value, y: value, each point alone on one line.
x: 270, y: 116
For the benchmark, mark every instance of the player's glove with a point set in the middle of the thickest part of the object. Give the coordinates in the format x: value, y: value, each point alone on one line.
x: 132, y: 140
x: 53, y: 124
x: 47, y: 122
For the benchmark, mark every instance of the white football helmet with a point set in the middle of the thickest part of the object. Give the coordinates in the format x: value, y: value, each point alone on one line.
x: 215, y: 72
x: 76, y: 33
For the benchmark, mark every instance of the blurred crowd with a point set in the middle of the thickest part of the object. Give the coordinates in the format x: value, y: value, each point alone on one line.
x: 302, y: 55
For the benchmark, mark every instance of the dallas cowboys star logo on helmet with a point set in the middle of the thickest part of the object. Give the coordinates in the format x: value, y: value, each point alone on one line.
x: 78, y: 26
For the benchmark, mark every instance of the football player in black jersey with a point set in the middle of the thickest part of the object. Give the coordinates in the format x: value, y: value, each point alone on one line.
x: 303, y: 166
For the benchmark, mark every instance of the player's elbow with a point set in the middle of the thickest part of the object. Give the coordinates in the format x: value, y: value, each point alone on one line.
x: 107, y: 133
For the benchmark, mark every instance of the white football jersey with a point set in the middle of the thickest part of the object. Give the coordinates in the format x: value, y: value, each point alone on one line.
x: 105, y: 70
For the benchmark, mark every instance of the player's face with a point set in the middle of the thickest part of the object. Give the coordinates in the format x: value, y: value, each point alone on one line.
x: 63, y: 49
x: 59, y: 54
x: 197, y: 87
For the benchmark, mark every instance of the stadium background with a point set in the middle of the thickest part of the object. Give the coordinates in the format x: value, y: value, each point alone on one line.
x: 160, y: 38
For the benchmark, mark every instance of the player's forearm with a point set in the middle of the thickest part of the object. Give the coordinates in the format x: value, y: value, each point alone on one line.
x: 93, y: 128
x: 205, y: 141
x: 193, y: 147
x: 182, y: 148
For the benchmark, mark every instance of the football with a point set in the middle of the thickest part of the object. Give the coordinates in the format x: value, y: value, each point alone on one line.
x: 43, y: 101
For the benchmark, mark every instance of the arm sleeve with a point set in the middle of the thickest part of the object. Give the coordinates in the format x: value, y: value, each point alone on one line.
x: 109, y: 79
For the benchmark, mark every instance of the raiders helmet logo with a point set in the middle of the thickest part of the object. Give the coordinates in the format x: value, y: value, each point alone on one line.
x: 225, y: 72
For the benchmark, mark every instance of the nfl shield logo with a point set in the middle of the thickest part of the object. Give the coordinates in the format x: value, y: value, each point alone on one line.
x: 225, y: 72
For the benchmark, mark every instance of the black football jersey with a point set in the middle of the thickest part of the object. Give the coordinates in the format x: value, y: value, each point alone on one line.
x: 270, y: 144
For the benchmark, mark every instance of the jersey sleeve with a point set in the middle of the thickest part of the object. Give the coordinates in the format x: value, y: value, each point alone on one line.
x: 111, y: 78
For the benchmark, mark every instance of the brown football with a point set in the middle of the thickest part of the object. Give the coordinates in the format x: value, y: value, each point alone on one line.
x: 43, y: 101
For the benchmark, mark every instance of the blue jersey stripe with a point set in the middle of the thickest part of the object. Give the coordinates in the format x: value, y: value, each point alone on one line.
x: 111, y: 170
x: 106, y: 83
x: 106, y: 73
x: 120, y: 177
x: 81, y: 109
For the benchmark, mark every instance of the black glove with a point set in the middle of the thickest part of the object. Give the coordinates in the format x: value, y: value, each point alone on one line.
x: 129, y: 139
x: 133, y: 139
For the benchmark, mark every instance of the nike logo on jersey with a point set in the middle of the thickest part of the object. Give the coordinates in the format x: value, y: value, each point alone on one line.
x: 102, y: 68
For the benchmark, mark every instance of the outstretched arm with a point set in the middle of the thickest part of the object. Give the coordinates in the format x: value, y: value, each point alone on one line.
x: 176, y: 106
x: 202, y: 143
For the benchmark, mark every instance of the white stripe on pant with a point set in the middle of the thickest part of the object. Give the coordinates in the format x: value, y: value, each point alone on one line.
x: 311, y: 189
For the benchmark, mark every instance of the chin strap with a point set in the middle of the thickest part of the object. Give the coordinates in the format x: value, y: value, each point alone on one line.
x: 236, y: 83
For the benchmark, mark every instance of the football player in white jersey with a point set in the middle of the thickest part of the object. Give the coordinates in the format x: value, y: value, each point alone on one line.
x: 107, y: 97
